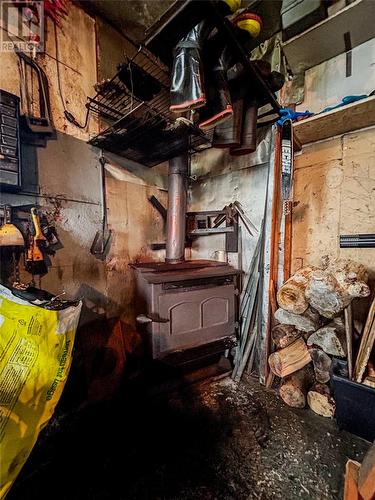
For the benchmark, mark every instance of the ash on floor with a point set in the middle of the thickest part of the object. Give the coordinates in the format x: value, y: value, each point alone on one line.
x: 217, y: 441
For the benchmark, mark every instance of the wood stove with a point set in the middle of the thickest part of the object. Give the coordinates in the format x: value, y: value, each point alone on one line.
x: 186, y: 306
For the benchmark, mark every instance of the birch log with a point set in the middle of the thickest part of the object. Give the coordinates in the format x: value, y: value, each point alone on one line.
x: 320, y: 401
x: 329, y: 291
x: 291, y: 295
x: 307, y: 322
x: 331, y: 338
x: 293, y: 389
x: 290, y: 359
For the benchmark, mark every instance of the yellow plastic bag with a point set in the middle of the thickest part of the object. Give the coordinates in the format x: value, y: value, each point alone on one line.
x: 35, y: 356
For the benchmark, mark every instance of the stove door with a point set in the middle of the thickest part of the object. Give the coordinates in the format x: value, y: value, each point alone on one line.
x: 195, y: 317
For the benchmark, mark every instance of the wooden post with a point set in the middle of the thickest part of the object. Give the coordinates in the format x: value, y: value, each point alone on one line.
x: 348, y: 312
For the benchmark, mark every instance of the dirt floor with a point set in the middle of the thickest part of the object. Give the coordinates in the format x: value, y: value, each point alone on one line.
x: 217, y: 441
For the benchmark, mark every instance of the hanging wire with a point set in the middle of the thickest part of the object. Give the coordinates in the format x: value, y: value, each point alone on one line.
x: 68, y: 115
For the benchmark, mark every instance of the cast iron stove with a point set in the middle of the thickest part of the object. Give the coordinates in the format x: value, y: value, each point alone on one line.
x: 188, y: 308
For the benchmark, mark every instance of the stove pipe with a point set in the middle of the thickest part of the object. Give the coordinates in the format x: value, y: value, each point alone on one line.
x: 176, y: 215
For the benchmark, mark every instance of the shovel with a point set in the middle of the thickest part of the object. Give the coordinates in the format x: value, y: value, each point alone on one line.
x: 103, y: 237
x: 10, y: 235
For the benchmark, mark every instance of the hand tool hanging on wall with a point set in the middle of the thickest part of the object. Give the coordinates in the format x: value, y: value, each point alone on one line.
x: 10, y: 235
x: 102, y: 238
x: 37, y: 118
x: 35, y: 263
x: 12, y: 246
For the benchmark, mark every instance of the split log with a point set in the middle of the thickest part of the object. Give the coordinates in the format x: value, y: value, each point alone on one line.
x: 291, y: 295
x: 307, y: 322
x: 346, y: 271
x: 290, y: 359
x: 320, y: 401
x: 284, y: 335
x: 330, y: 291
x: 331, y: 338
x: 322, y: 364
x: 370, y: 381
x: 293, y: 389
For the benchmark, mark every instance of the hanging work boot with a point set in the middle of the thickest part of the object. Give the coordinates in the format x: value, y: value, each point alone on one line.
x: 187, y: 82
x: 228, y: 133
x: 249, y: 129
x: 219, y: 107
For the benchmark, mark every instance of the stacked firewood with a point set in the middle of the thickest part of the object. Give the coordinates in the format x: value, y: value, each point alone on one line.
x: 310, y: 330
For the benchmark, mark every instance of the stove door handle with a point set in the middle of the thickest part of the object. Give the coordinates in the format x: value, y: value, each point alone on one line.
x: 145, y: 319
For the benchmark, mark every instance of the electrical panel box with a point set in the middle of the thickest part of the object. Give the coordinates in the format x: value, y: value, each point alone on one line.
x: 10, y: 157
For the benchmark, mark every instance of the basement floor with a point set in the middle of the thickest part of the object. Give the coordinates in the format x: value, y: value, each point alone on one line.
x: 216, y: 441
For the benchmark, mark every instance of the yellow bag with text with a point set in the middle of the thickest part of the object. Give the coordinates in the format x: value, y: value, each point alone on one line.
x: 35, y: 356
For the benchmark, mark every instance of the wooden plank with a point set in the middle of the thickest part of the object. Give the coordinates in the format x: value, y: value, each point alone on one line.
x: 348, y: 313
x: 326, y: 39
x: 367, y: 342
x: 265, y: 258
x: 287, y: 246
x: 354, y: 116
x: 351, y: 480
x: 272, y: 226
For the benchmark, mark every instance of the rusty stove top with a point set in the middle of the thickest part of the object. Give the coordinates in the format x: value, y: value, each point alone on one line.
x: 161, y: 272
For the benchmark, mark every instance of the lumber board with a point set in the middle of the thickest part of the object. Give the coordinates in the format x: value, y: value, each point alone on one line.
x: 367, y: 342
x: 348, y: 314
x: 354, y: 116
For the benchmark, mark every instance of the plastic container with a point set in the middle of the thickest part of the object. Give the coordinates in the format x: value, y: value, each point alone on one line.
x: 355, y: 403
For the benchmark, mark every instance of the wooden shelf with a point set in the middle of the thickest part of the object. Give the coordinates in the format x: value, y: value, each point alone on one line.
x: 338, y: 121
x: 326, y: 39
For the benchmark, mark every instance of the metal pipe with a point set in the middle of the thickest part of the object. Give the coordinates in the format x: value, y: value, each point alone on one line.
x: 176, y: 215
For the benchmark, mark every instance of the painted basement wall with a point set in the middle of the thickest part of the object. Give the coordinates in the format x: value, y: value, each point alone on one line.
x: 67, y: 180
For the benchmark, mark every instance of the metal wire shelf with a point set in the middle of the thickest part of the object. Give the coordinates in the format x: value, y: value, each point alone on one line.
x: 140, y: 129
x: 135, y: 102
x: 120, y: 95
